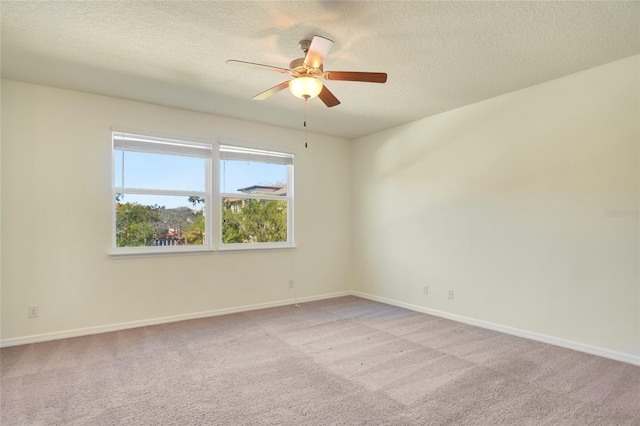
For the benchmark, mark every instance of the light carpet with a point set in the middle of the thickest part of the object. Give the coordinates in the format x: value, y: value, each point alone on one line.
x: 342, y: 361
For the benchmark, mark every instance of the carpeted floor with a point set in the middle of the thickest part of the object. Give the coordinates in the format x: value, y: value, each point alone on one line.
x: 343, y: 361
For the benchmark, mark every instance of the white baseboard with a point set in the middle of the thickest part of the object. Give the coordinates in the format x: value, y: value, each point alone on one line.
x: 593, y: 350
x: 36, y: 338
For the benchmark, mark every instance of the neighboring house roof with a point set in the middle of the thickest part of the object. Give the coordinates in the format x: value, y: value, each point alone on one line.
x: 266, y: 189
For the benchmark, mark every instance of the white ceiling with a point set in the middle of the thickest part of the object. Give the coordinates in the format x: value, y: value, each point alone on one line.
x: 438, y: 55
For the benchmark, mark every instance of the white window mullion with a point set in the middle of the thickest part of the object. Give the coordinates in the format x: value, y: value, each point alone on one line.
x: 208, y: 208
x: 253, y: 196
x: 290, y: 228
x: 170, y: 192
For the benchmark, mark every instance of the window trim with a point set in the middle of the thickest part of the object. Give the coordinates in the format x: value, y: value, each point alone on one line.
x: 235, y: 152
x: 212, y: 194
x: 152, y: 251
x: 123, y: 189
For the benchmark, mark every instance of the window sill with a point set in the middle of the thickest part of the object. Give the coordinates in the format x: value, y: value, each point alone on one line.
x: 132, y: 252
x: 235, y: 248
x: 127, y: 252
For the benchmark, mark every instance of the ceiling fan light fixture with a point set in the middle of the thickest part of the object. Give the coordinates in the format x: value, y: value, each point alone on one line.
x: 307, y: 71
x: 305, y: 87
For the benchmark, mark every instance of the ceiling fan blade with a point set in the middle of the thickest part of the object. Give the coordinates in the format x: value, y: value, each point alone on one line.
x: 318, y: 50
x: 328, y: 98
x: 367, y: 77
x: 252, y: 64
x: 275, y: 89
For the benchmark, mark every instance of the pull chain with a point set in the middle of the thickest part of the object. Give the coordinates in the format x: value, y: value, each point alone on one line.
x: 305, y: 124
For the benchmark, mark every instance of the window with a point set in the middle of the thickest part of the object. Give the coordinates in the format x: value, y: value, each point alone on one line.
x: 164, y: 192
x: 256, y: 191
x: 161, y: 194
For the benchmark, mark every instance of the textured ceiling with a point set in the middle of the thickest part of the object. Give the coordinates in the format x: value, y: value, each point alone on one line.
x: 438, y: 55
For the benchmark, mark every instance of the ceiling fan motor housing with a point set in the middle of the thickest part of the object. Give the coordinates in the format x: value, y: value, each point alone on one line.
x: 299, y: 69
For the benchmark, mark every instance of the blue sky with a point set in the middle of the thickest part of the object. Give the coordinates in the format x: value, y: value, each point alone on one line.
x: 159, y: 171
x: 240, y: 174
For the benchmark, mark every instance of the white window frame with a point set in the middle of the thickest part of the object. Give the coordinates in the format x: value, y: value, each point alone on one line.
x: 156, y: 145
x: 236, y: 152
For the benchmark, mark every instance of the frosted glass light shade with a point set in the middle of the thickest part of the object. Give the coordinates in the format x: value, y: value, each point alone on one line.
x: 305, y: 87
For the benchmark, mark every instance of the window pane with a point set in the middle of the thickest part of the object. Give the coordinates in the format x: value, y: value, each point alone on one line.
x: 253, y: 221
x: 252, y: 177
x: 158, y: 171
x: 159, y: 220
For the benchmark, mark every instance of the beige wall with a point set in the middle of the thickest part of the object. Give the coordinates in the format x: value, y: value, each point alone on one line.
x: 56, y: 219
x: 505, y: 203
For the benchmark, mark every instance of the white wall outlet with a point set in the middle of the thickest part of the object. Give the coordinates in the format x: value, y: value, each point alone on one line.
x: 33, y: 311
x: 291, y: 285
x: 450, y: 294
x: 425, y: 289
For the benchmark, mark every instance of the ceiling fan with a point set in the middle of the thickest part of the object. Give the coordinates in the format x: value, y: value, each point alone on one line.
x: 307, y: 71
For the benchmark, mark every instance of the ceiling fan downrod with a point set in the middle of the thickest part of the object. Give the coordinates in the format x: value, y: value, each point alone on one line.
x: 304, y: 45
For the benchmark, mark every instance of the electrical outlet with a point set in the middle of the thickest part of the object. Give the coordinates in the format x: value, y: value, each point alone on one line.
x: 291, y: 284
x: 33, y: 311
x: 425, y: 289
x: 450, y: 294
